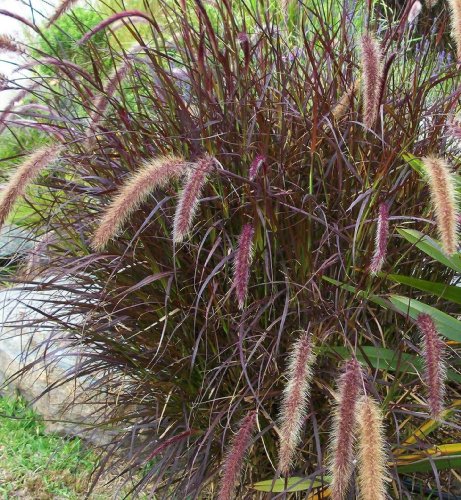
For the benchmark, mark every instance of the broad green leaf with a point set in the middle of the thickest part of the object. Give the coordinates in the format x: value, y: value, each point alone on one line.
x: 290, y: 484
x: 448, y: 292
x: 447, y: 326
x: 431, y: 247
x: 441, y: 463
x: 359, y: 293
x: 391, y: 360
x: 445, y: 456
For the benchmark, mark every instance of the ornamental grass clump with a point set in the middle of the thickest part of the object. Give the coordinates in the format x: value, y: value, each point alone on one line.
x: 237, y: 185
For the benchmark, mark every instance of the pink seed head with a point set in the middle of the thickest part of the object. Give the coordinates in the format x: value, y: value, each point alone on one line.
x: 255, y: 166
x: 342, y: 443
x: 242, y: 263
x: 435, y: 371
x: 233, y: 463
x: 382, y: 236
x: 373, y: 74
x: 295, y: 400
x: 190, y: 194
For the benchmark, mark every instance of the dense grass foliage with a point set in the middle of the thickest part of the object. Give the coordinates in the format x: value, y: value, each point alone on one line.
x: 189, y: 336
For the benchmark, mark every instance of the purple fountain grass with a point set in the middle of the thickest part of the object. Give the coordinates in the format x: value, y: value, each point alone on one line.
x: 373, y: 69
x: 435, y: 371
x: 8, y: 44
x: 102, y: 101
x: 24, y: 175
x: 189, y: 196
x: 234, y: 460
x: 443, y: 195
x: 455, y: 9
x: 154, y: 174
x: 371, y: 451
x: 382, y: 236
x: 112, y: 19
x: 342, y: 442
x: 242, y: 263
x: 295, y: 400
x: 255, y: 166
x: 63, y: 6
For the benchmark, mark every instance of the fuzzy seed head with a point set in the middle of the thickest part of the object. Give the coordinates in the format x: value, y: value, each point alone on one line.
x: 435, y: 371
x: 455, y: 9
x: 26, y: 173
x: 233, y: 463
x: 371, y: 451
x: 373, y: 74
x: 8, y: 44
x: 63, y: 6
x: 242, y: 263
x: 343, y: 438
x: 442, y: 187
x: 382, y: 236
x: 344, y: 104
x: 189, y: 196
x: 255, y: 166
x: 415, y: 11
x: 295, y: 400
x: 154, y: 174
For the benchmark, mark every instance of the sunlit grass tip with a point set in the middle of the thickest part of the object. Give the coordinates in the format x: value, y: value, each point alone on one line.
x: 343, y: 432
x: 372, y: 451
x: 295, y: 400
x: 154, y: 174
x: 443, y: 194
x: 23, y: 176
x: 188, y: 198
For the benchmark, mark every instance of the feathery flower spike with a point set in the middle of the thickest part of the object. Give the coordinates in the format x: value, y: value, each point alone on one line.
x: 372, y: 68
x: 242, y: 263
x: 295, y: 400
x: 7, y: 44
x: 433, y: 349
x: 60, y: 9
x: 25, y: 174
x: 372, y: 450
x: 441, y: 183
x: 234, y: 460
x: 255, y: 166
x: 455, y: 8
x: 344, y: 104
x: 342, y: 444
x: 415, y: 11
x: 189, y: 196
x: 155, y: 173
x: 382, y: 235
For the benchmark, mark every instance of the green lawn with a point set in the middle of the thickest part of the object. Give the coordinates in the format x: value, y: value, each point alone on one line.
x: 38, y: 465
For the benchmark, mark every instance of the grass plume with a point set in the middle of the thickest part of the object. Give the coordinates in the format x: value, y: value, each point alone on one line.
x: 435, y: 371
x: 371, y: 450
x: 372, y: 69
x: 442, y: 187
x: 295, y: 400
x: 233, y: 462
x: 154, y: 174
x: 189, y: 196
x: 23, y: 176
x: 242, y: 263
x: 343, y: 438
